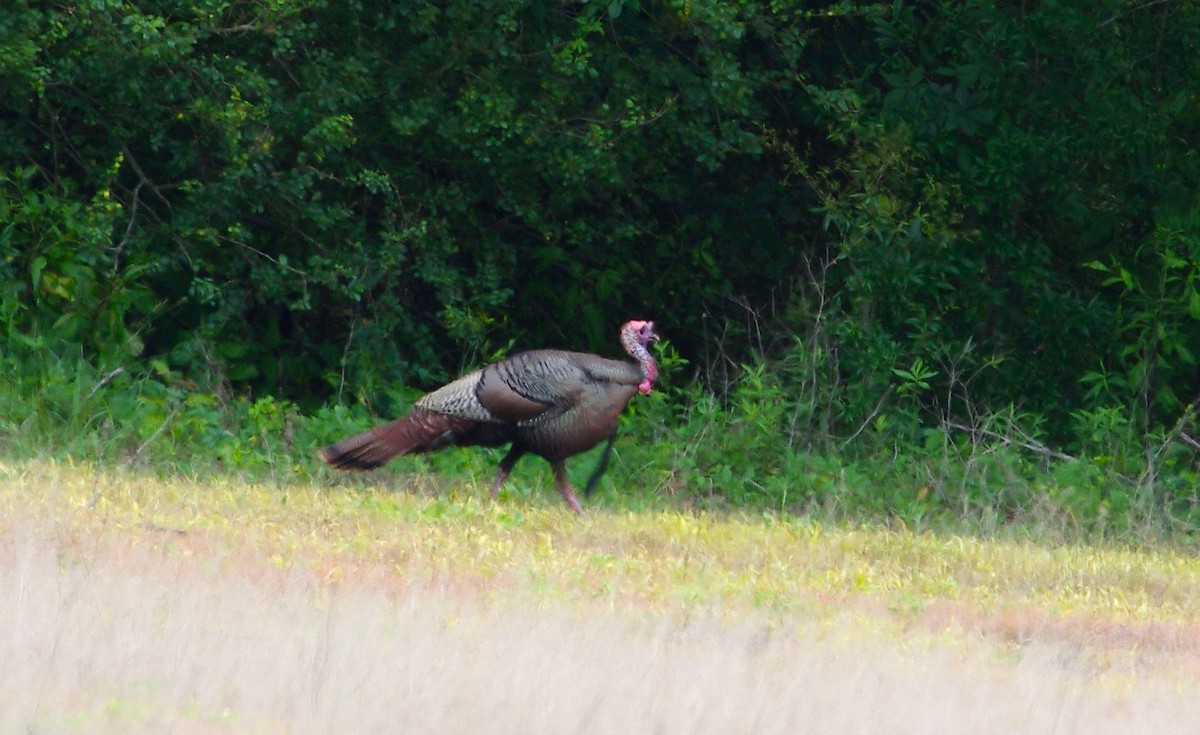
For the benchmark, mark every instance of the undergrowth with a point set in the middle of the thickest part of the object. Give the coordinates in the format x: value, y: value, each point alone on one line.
x: 761, y: 447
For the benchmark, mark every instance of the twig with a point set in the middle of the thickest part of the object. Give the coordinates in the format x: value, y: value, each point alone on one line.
x: 1131, y: 11
x: 243, y: 28
x: 345, y: 357
x: 104, y: 381
x: 870, y: 417
x: 119, y: 248
x: 266, y: 255
x: 1188, y: 440
x: 141, y: 174
x: 1029, y: 444
x: 1150, y: 474
x: 142, y: 447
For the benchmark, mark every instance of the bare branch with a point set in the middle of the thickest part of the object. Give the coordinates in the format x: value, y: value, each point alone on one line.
x: 157, y: 432
x: 1026, y: 443
x: 243, y: 28
x: 137, y: 168
x: 1131, y: 11
x: 1188, y: 440
x: 870, y: 417
x: 119, y: 248
x: 104, y: 381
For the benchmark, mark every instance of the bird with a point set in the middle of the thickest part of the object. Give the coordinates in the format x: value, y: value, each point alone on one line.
x: 550, y: 403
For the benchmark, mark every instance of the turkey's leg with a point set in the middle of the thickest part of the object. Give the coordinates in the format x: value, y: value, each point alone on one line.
x: 505, y: 467
x: 564, y: 487
x: 601, y: 466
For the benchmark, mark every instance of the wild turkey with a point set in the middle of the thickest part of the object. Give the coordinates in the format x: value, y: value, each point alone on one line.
x: 551, y: 403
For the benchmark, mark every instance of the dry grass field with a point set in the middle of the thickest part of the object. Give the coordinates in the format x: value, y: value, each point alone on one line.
x: 141, y: 605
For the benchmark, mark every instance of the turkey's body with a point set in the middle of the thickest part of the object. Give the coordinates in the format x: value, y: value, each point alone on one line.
x: 551, y: 403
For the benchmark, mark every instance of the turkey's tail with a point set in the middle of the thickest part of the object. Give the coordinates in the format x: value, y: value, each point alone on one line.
x: 420, y: 431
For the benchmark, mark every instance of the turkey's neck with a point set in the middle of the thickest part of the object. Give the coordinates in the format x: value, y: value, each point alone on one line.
x: 649, y: 370
x: 638, y: 351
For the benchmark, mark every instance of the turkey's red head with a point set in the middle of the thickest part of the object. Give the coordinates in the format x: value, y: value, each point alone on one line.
x: 644, y: 331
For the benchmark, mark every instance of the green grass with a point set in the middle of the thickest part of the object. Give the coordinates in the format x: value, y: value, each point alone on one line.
x: 145, y: 603
x: 671, y: 561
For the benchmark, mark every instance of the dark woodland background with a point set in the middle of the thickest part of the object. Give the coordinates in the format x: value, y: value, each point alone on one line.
x: 903, y: 226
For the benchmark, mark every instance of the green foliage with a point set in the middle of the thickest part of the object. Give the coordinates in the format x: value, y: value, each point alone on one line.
x: 322, y: 196
x: 997, y: 152
x: 679, y: 447
x: 65, y: 282
x: 916, y: 253
x: 1158, y: 323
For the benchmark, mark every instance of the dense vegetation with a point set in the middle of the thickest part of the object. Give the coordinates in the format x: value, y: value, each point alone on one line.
x: 914, y: 259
